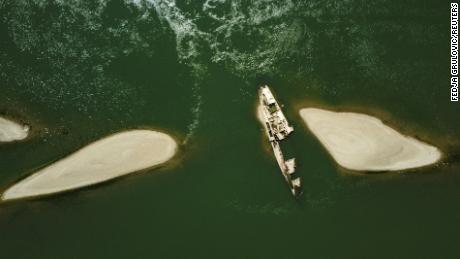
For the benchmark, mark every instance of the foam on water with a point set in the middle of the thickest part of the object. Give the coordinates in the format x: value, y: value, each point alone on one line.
x: 246, y: 38
x: 187, y: 40
x: 251, y: 37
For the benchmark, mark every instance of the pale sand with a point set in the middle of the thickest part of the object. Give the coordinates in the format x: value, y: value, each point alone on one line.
x: 12, y: 131
x: 362, y: 142
x: 105, y: 159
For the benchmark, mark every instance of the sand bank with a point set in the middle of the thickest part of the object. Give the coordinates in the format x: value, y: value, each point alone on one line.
x: 11, y: 131
x: 100, y: 161
x: 362, y: 142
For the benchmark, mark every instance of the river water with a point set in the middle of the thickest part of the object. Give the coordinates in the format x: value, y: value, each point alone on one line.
x: 79, y: 70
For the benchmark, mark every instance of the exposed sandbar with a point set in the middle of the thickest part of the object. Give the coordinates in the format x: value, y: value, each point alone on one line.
x: 12, y: 131
x: 363, y: 143
x: 105, y: 159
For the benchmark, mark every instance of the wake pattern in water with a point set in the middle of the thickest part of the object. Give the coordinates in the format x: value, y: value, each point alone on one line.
x: 246, y: 38
x: 187, y: 40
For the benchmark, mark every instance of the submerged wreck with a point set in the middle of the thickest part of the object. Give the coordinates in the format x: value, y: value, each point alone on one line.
x: 277, y: 129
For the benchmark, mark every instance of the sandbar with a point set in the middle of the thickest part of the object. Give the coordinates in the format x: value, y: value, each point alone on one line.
x: 12, y: 131
x: 105, y: 159
x: 364, y: 143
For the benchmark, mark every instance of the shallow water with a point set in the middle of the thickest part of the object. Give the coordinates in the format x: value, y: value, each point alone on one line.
x: 79, y: 70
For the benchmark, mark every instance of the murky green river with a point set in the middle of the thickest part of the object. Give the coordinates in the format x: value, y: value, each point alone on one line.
x: 79, y: 70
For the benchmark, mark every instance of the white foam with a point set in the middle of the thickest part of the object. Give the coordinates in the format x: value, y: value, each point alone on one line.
x: 234, y: 17
x: 230, y: 17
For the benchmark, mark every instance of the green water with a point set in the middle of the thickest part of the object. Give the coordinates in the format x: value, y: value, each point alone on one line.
x: 80, y: 70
